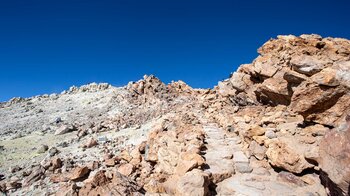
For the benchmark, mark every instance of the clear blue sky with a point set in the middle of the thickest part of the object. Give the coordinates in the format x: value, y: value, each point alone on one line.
x: 47, y: 46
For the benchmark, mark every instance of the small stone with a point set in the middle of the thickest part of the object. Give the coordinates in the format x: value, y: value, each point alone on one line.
x: 126, y: 169
x: 18, y: 135
x: 126, y: 156
x: 257, y: 150
x: 56, y: 163
x: 53, y: 151
x: 230, y: 129
x: 102, y: 139
x: 261, y: 171
x: 240, y: 157
x: 14, y: 169
x: 290, y: 178
x: 256, y: 131
x: 58, y: 120
x: 91, y: 143
x: 110, y: 162
x: 64, y: 129
x: 270, y: 134
x: 243, y: 168
x: 39, y: 133
x: 93, y: 165
x: 79, y: 172
x: 63, y: 144
x: 43, y: 149
x: 153, y: 187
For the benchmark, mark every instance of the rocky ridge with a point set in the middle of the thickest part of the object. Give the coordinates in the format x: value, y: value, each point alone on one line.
x: 277, y: 126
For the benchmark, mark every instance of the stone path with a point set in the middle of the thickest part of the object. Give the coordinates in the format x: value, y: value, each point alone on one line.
x: 230, y: 169
x: 219, y: 153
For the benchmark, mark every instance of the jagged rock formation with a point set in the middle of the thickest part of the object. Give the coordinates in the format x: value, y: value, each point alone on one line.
x: 277, y: 126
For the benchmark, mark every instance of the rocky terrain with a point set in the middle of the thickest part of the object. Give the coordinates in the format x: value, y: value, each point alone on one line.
x: 277, y: 126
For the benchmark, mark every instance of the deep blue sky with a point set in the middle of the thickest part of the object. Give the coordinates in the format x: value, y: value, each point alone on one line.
x: 49, y: 45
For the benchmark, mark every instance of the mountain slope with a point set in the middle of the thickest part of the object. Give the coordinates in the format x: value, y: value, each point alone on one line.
x: 277, y: 126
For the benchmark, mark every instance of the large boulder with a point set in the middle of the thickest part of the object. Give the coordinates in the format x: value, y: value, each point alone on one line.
x: 193, y: 183
x: 334, y: 160
x: 321, y: 104
x: 283, y: 156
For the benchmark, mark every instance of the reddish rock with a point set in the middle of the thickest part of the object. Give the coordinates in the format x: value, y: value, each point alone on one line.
x: 110, y: 162
x: 274, y: 91
x: 79, y: 172
x: 56, y: 163
x: 99, y: 184
x: 126, y: 169
x: 281, y: 155
x: 187, y: 162
x: 35, y: 175
x: 93, y: 165
x: 126, y: 156
x: 56, y: 178
x: 334, y: 160
x: 195, y: 182
x: 91, y: 143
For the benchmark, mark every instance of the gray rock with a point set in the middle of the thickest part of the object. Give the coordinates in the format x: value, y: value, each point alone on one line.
x: 53, y: 151
x: 43, y: 149
x: 307, y: 65
x: 257, y: 150
x: 63, y: 144
x: 14, y: 169
x: 270, y: 134
x: 240, y: 157
x: 261, y: 171
x: 243, y: 168
x: 18, y: 135
x: 102, y: 139
x: 58, y: 120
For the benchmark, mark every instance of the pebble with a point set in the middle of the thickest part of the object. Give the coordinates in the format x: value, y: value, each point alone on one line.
x: 53, y: 151
x: 270, y: 134
x: 43, y: 149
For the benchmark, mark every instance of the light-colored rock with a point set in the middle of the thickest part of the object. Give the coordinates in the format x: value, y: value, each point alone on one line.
x: 256, y: 131
x: 64, y: 129
x: 270, y: 134
x: 326, y: 77
x: 257, y: 150
x: 240, y: 81
x: 312, y: 101
x: 91, y: 143
x: 274, y: 91
x: 43, y: 149
x: 187, y: 162
x: 193, y: 183
x: 282, y: 156
x: 126, y: 169
x: 306, y: 64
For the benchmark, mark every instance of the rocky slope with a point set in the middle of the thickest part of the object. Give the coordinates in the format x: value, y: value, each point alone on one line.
x: 277, y: 126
